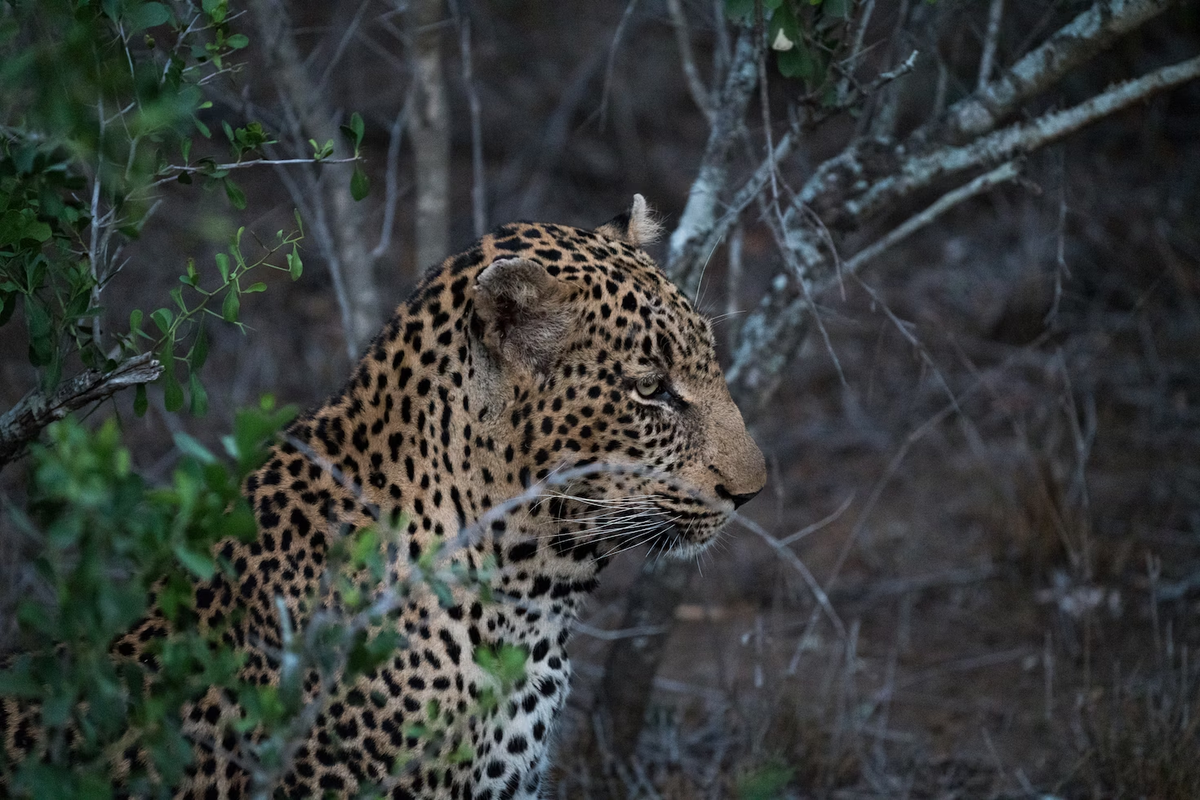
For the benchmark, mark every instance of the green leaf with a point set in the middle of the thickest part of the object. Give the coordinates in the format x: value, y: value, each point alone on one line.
x: 198, y: 394
x: 231, y: 306
x: 146, y: 15
x: 38, y: 231
x: 796, y: 63
x: 223, y: 266
x: 739, y: 9
x: 360, y: 185
x: 237, y: 41
x: 295, y: 266
x: 199, y: 564
x: 140, y: 401
x: 237, y: 198
x: 199, y: 351
x: 189, y: 446
x: 162, y: 318
x: 172, y: 393
x: 255, y: 287
x: 354, y: 131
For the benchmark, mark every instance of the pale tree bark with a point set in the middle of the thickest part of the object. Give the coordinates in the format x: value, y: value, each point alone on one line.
x: 22, y: 423
x: 962, y: 152
x: 335, y: 219
x: 429, y: 129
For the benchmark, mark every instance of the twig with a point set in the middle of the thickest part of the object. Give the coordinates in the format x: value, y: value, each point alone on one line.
x: 188, y: 169
x: 684, y: 253
x: 309, y: 116
x: 478, y: 187
x: 917, y: 173
x: 391, y: 180
x: 348, y: 34
x: 1001, y: 174
x: 990, y: 40
x: 33, y: 412
x: 430, y: 133
x: 1070, y: 46
x: 612, y: 59
x: 860, y: 31
x: 744, y: 196
x: 791, y: 558
x: 683, y: 40
x: 807, y: 530
x: 620, y: 633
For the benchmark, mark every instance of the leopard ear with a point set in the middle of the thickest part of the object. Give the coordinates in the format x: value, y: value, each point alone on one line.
x: 524, y: 312
x: 636, y: 227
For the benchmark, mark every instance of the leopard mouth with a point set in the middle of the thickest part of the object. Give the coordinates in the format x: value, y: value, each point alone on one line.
x: 690, y: 532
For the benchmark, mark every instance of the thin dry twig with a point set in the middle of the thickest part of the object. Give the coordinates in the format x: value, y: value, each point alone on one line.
x: 33, y: 412
x: 683, y: 40
x: 990, y: 41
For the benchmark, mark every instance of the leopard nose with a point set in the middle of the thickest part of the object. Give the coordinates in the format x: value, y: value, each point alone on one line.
x: 738, y: 500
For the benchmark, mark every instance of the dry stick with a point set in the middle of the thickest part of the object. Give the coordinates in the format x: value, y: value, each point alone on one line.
x: 189, y: 169
x: 685, y: 259
x: 1001, y: 174
x: 311, y: 117
x: 478, y: 187
x: 990, y: 39
x: 771, y: 334
x: 920, y: 172
x: 349, y: 33
x: 882, y: 122
x: 391, y: 179
x: 613, y: 46
x: 744, y: 196
x: 430, y: 135
x: 786, y: 553
x: 1075, y: 43
x: 33, y: 412
x: 860, y: 31
x: 683, y: 41
x: 754, y: 368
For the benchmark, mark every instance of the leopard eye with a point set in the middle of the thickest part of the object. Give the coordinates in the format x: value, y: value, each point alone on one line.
x: 648, y: 386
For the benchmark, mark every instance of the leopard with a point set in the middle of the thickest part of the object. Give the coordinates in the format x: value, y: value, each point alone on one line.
x: 543, y: 401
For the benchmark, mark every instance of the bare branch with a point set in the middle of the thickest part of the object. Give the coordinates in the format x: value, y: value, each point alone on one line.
x: 990, y: 40
x: 429, y: 128
x: 612, y: 59
x: 1001, y: 174
x: 478, y: 186
x: 188, y: 169
x: 685, y: 258
x: 918, y: 173
x: 391, y: 180
x: 775, y: 330
x: 786, y: 553
x: 860, y: 31
x: 1075, y: 43
x: 745, y: 195
x: 23, y: 422
x: 683, y: 40
x: 312, y: 117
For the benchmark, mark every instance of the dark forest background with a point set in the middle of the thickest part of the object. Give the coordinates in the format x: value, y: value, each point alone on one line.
x: 984, y: 455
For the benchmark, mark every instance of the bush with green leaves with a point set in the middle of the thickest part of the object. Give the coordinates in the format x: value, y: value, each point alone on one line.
x: 101, y: 104
x: 108, y: 544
